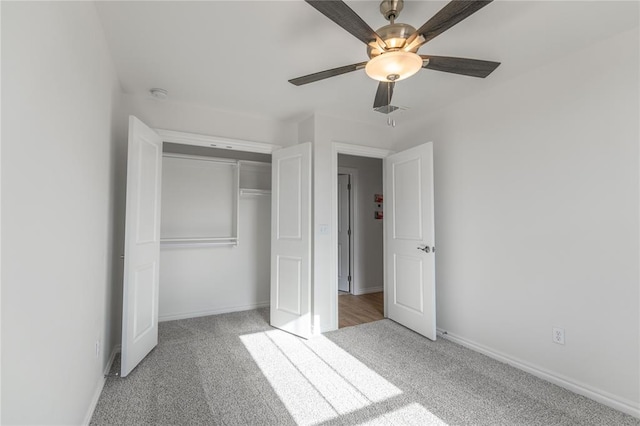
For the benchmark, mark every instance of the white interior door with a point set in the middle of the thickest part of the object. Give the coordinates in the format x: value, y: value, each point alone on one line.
x: 410, y: 243
x: 291, y: 239
x: 344, y: 231
x: 142, y: 245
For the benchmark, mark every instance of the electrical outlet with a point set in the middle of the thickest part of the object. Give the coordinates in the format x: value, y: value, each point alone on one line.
x: 558, y: 335
x: 97, y: 348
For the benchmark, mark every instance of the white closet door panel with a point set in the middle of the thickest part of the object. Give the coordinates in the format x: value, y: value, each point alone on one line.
x: 291, y: 240
x: 142, y: 245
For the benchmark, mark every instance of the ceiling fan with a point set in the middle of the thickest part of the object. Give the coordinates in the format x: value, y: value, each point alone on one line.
x: 392, y: 49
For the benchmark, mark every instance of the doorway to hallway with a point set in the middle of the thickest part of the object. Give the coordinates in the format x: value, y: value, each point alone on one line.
x: 355, y: 310
x: 360, y: 249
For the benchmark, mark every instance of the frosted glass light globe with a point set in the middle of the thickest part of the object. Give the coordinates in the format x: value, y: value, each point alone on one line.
x: 393, y: 66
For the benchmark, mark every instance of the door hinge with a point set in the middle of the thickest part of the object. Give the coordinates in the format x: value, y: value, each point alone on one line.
x: 349, y: 186
x: 349, y: 232
x: 349, y: 278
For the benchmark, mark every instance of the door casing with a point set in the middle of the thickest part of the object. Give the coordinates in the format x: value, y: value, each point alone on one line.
x: 360, y: 151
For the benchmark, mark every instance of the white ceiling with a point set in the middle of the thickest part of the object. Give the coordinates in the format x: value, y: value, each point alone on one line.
x: 238, y: 55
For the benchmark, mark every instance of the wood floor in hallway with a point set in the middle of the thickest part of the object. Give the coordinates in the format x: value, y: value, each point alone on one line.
x: 354, y: 310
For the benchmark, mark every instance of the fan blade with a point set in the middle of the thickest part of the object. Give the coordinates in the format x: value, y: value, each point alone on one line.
x: 344, y: 16
x: 447, y: 17
x: 384, y: 94
x: 464, y: 66
x: 326, y: 74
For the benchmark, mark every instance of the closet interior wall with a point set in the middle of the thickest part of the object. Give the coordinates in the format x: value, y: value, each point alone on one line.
x: 200, y: 278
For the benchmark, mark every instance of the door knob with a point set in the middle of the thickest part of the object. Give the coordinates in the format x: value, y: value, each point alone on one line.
x: 425, y: 249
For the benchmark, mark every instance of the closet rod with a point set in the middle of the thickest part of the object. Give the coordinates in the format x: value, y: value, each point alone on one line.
x: 247, y: 191
x: 195, y: 241
x: 211, y: 244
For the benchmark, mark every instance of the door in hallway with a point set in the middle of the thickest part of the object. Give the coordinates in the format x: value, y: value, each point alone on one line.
x: 344, y: 233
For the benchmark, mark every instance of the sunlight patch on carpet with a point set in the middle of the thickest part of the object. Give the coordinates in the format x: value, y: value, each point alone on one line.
x: 316, y: 380
x: 373, y: 386
x: 412, y: 414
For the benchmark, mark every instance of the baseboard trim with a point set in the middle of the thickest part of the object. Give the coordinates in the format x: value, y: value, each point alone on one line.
x: 368, y: 290
x: 100, y: 385
x: 223, y: 310
x: 603, y: 397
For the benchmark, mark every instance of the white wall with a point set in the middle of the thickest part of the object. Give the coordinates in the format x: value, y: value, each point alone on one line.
x: 59, y: 91
x: 368, y: 274
x: 537, y: 219
x: 200, y: 281
x: 194, y: 118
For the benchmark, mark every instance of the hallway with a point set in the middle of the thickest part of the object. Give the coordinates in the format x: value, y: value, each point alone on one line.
x: 354, y: 310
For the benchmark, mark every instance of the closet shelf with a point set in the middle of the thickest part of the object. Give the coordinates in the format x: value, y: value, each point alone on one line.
x: 251, y: 191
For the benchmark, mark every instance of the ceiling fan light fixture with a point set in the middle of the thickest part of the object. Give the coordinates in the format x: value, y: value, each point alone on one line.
x: 393, y: 66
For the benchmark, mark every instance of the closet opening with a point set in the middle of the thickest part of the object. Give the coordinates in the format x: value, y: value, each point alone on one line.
x: 215, y: 231
x: 360, y: 249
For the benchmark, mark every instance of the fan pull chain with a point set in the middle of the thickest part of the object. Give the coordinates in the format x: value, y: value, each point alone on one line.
x: 390, y: 122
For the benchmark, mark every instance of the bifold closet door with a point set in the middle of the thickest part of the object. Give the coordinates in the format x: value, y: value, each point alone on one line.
x: 142, y: 245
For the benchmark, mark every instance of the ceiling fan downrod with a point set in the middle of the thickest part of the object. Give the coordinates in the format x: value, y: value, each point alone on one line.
x: 390, y: 9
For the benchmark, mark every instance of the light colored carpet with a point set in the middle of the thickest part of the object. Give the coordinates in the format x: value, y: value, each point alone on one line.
x: 234, y: 369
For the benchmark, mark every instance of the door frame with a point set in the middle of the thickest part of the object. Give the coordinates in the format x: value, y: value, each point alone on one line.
x: 360, y: 151
x: 353, y: 181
